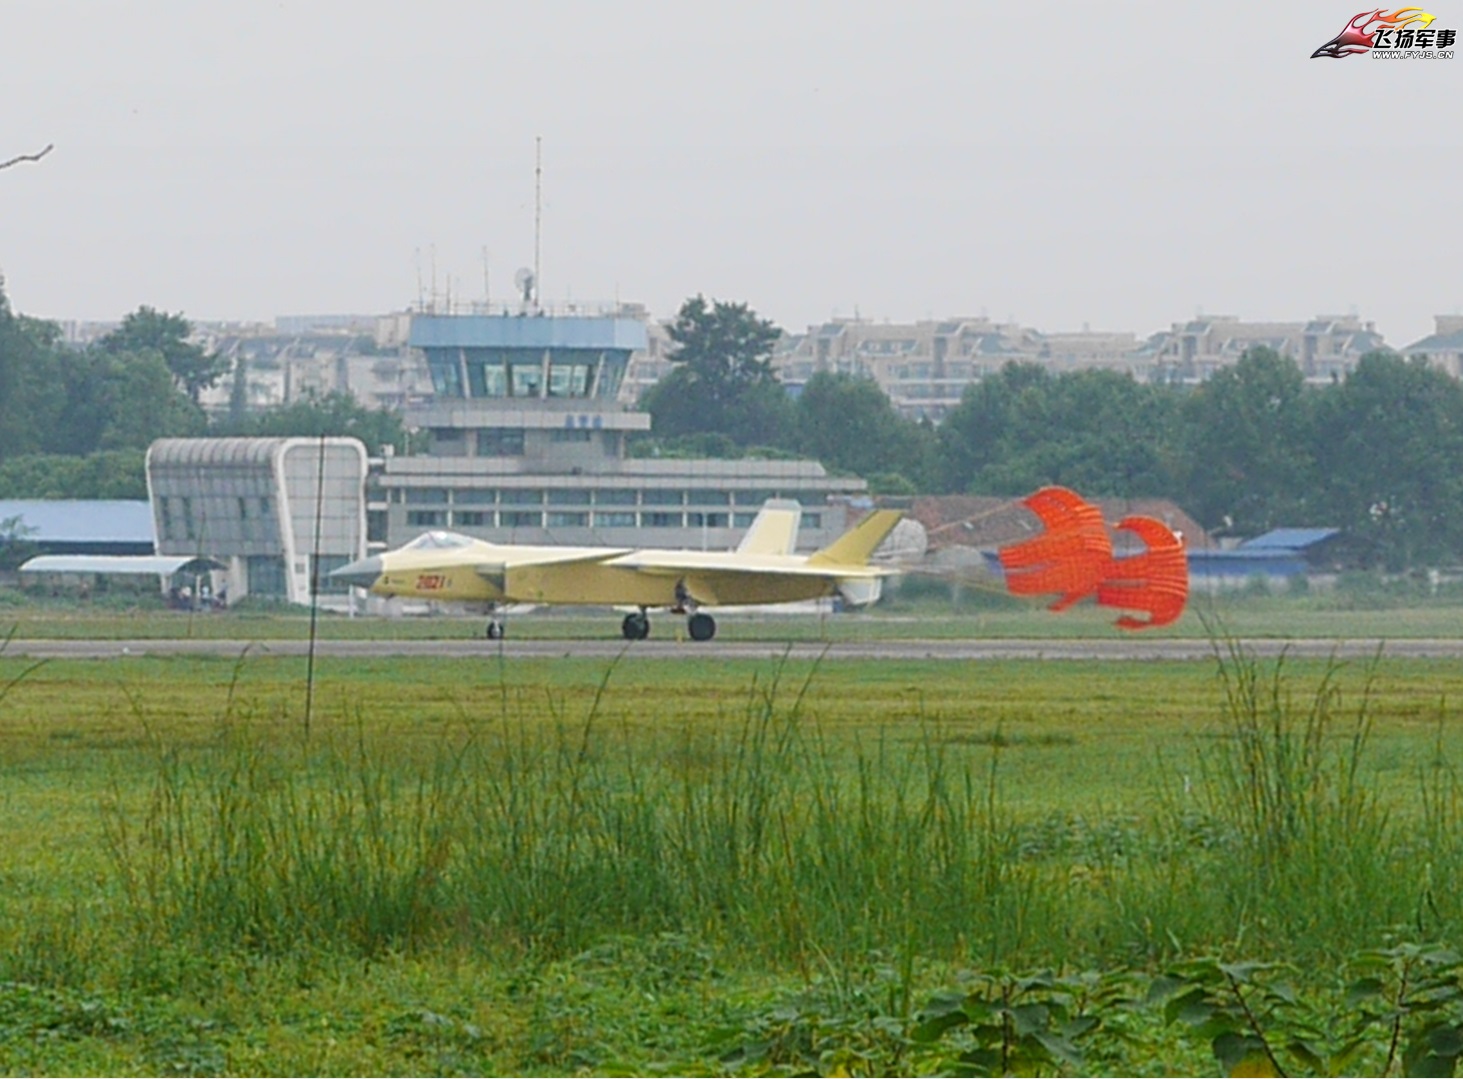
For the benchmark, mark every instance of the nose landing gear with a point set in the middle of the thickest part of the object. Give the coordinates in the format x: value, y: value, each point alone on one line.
x: 635, y: 627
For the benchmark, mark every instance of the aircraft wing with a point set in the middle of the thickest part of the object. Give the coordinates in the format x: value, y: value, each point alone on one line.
x: 724, y: 579
x: 684, y: 563
x: 526, y: 557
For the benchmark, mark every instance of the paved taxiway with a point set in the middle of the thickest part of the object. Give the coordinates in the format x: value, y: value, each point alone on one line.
x: 1124, y: 648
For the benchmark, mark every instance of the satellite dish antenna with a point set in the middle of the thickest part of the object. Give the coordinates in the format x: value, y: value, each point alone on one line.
x: 524, y: 282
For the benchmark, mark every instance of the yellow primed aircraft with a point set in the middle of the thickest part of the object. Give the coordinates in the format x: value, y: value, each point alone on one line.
x: 452, y: 567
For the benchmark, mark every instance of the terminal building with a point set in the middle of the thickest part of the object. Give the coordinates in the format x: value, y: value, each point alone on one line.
x: 529, y: 445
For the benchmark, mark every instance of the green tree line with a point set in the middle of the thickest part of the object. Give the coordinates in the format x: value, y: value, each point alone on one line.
x: 1378, y: 452
x: 76, y: 422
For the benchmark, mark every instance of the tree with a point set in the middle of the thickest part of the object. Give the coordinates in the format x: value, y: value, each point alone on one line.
x: 1248, y: 458
x: 28, y: 354
x: 147, y: 328
x: 1389, y: 438
x: 723, y: 381
x: 106, y: 474
x: 850, y: 425
x: 15, y: 544
x: 1099, y: 431
x: 334, y: 414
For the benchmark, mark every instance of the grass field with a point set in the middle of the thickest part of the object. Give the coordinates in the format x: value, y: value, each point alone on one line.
x: 480, y: 867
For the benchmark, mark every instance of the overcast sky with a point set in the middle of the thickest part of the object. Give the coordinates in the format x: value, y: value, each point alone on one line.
x: 1124, y: 165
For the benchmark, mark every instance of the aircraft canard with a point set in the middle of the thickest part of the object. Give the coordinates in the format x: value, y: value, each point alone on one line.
x: 448, y: 566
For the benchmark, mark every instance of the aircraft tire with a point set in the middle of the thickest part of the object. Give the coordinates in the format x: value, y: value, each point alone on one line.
x: 635, y: 627
x: 701, y: 626
x: 495, y: 630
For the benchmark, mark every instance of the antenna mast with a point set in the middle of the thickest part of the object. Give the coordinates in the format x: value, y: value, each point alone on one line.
x: 538, y: 209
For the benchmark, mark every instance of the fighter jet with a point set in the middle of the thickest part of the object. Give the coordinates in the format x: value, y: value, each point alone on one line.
x: 449, y: 566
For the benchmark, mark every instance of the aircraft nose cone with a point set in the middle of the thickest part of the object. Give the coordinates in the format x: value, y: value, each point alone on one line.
x: 361, y: 574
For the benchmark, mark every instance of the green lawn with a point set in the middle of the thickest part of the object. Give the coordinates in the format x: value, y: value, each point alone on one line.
x: 702, y: 867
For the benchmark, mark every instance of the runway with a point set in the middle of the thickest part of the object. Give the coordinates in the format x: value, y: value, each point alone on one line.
x: 1125, y: 648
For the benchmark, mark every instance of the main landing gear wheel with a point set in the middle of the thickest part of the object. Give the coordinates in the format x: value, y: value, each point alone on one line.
x: 701, y: 626
x: 635, y: 627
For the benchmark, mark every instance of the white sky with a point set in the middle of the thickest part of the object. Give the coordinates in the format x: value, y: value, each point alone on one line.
x: 1123, y: 164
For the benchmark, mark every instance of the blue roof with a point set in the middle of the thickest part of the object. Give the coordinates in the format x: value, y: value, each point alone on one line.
x: 78, y: 521
x: 526, y: 331
x: 1288, y: 539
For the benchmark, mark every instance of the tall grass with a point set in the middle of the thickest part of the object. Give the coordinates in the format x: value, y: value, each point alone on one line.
x: 523, y: 834
x: 532, y: 836
x: 1293, y: 850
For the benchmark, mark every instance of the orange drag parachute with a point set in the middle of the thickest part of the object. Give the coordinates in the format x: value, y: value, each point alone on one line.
x: 1155, y: 582
x: 1070, y: 557
x: 1073, y: 557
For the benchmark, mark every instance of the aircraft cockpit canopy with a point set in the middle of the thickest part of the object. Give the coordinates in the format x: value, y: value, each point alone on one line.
x: 439, y: 541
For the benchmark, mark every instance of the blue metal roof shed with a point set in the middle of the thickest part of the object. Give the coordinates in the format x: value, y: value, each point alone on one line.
x: 1289, y: 539
x: 74, y: 526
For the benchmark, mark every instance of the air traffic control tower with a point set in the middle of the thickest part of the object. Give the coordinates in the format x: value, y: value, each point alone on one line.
x: 528, y: 445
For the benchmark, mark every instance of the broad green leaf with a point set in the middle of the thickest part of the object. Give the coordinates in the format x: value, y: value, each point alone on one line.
x: 1030, y: 1018
x: 934, y: 1028
x: 1192, y: 1006
x: 1364, y: 989
x: 1060, y: 1048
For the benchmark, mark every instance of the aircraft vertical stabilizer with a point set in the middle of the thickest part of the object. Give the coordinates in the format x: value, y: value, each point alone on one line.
x: 775, y: 529
x: 854, y: 547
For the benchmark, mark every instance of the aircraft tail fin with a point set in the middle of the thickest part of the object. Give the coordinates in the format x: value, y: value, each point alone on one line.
x: 854, y: 547
x: 775, y: 529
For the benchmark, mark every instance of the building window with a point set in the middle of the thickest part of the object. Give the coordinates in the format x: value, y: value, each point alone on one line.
x: 526, y: 379
x: 528, y: 496
x: 743, y: 520
x: 520, y: 519
x: 614, y: 497
x: 426, y: 518
x: 561, y: 519
x: 485, y: 374
x: 705, y: 520
x: 376, y: 522
x: 446, y: 379
x: 472, y: 519
x: 753, y: 498
x: 616, y: 519
x: 572, y: 496
x: 655, y: 496
x: 500, y: 442
x: 709, y: 498
x: 475, y: 496
x: 265, y: 575
x: 660, y: 520
x: 571, y: 434
x: 426, y: 496
x: 569, y: 379
x: 812, y: 520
